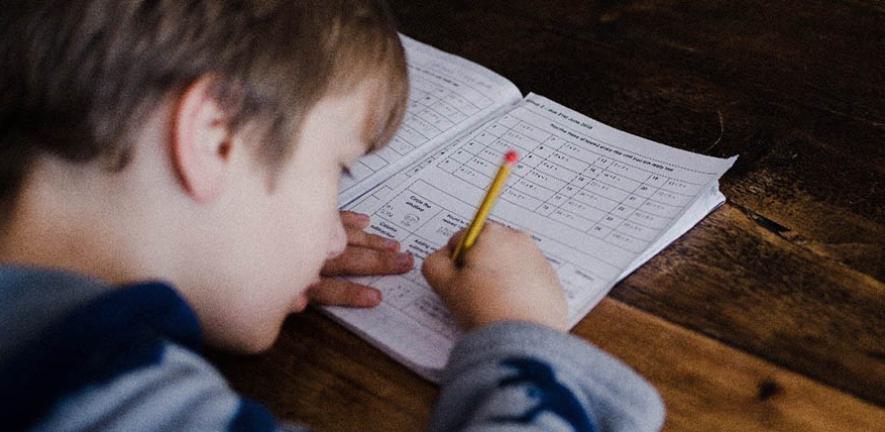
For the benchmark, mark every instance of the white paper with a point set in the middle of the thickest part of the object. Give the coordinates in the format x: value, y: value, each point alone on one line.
x: 598, y: 201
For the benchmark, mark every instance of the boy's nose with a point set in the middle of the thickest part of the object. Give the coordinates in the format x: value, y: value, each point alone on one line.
x: 338, y: 240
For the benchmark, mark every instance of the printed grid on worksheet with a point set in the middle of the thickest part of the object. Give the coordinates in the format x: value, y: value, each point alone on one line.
x: 623, y: 204
x: 423, y: 218
x: 433, y: 110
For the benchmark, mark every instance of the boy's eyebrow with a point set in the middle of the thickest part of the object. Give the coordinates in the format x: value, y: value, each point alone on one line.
x: 387, y: 110
x: 373, y: 135
x: 378, y: 138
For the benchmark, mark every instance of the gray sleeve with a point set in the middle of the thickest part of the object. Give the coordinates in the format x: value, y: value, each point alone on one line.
x: 518, y: 376
x: 180, y: 393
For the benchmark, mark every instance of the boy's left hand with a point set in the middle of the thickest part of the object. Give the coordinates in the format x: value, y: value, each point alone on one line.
x: 366, y: 254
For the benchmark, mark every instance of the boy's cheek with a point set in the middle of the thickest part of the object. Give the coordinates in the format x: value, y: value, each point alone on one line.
x: 338, y: 241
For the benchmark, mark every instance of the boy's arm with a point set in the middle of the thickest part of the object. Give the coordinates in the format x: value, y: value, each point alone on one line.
x: 517, y: 375
x: 516, y: 369
x: 111, y: 359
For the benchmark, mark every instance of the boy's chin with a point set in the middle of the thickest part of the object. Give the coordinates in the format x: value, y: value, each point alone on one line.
x: 258, y: 343
x: 253, y: 341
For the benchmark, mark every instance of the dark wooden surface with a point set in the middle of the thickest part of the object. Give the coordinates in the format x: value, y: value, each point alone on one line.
x: 770, y: 314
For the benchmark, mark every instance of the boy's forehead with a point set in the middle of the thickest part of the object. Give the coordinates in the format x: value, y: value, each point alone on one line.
x: 373, y: 105
x: 358, y: 118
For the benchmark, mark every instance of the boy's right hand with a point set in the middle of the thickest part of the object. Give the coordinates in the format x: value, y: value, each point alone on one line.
x: 504, y: 276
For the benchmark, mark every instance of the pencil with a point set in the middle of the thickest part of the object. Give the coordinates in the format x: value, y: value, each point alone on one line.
x: 485, y: 207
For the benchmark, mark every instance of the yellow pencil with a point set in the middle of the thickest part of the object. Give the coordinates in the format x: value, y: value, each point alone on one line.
x: 485, y: 207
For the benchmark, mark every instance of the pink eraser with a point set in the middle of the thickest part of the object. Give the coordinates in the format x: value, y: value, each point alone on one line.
x: 511, y: 156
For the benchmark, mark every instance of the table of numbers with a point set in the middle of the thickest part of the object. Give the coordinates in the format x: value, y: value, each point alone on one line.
x: 623, y: 204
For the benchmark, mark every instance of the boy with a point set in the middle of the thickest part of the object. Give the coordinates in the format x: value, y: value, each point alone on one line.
x: 170, y: 175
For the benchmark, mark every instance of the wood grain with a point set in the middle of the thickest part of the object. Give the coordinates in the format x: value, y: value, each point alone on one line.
x: 709, y: 386
x: 321, y: 375
x: 739, y: 283
x: 804, y: 109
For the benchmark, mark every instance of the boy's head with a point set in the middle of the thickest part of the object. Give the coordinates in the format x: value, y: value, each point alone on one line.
x: 198, y: 141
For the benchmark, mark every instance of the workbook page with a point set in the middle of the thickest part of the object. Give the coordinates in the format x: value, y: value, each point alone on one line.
x: 597, y: 201
x: 448, y: 96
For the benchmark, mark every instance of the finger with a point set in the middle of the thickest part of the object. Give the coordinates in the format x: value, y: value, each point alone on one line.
x: 490, y: 225
x: 492, y: 229
x: 438, y: 267
x: 358, y: 237
x: 360, y: 261
x: 342, y: 292
x: 453, y: 241
x: 354, y: 220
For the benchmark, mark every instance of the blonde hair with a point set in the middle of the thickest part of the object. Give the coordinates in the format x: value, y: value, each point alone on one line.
x: 78, y: 77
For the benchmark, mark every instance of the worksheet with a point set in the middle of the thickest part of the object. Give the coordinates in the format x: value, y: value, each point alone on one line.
x: 599, y: 202
x: 448, y: 96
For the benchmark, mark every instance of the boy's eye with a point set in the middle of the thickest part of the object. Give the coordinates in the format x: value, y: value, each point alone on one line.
x: 346, y: 171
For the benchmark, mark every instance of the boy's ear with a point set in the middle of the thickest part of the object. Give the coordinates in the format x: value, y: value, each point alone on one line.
x: 201, y: 140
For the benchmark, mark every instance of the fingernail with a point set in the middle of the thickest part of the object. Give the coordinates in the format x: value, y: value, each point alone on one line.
x: 391, y: 244
x: 363, y: 218
x: 404, y: 260
x: 372, y: 297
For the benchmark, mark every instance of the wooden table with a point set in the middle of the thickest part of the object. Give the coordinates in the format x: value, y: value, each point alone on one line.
x: 768, y: 315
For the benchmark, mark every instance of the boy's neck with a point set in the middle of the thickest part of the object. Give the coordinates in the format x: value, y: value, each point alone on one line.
x: 48, y: 230
x: 65, y: 219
